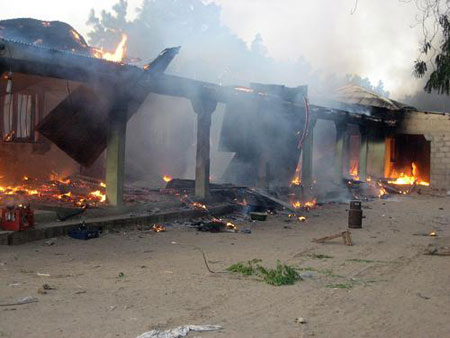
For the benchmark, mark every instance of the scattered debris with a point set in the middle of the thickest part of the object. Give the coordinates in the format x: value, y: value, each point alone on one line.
x: 439, y: 247
x: 180, y: 331
x: 344, y: 234
x: 158, y: 228
x: 319, y: 256
x: 258, y: 216
x: 422, y: 296
x: 51, y: 241
x: 22, y: 301
x: 300, y: 320
x: 43, y: 274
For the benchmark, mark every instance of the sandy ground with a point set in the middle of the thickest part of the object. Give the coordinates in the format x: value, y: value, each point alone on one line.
x: 388, y: 288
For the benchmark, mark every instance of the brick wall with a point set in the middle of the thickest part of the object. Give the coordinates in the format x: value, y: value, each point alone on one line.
x: 436, y: 129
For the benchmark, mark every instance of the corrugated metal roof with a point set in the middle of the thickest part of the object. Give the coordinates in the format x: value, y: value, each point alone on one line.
x: 353, y: 94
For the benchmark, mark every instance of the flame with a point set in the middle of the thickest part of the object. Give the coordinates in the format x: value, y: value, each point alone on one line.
x: 307, y: 204
x: 102, y: 184
x: 296, y: 181
x: 381, y: 190
x: 297, y: 204
x: 57, y: 178
x: 98, y: 195
x: 301, y: 218
x: 231, y: 226
x: 311, y: 204
x: 158, y: 228
x: 198, y: 205
x: 66, y: 195
x: 354, y: 171
x: 55, y: 190
x: 118, y: 55
x: 167, y: 178
x: 405, y: 179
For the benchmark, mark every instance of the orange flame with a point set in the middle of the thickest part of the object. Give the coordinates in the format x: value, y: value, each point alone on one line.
x: 118, y: 55
x: 167, y: 178
x: 405, y: 179
x: 158, y: 228
x: 354, y: 171
x: 198, y: 205
x: 296, y: 180
x: 98, y: 195
x: 231, y: 226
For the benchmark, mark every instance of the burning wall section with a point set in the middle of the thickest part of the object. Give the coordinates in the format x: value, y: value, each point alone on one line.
x: 436, y: 129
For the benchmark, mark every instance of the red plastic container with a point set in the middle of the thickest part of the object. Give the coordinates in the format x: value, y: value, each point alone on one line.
x: 17, y: 218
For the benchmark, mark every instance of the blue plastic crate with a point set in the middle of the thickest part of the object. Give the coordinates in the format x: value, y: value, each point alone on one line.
x: 83, y: 233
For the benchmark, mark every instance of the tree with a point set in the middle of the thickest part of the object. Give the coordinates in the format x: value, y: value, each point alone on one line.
x: 434, y: 58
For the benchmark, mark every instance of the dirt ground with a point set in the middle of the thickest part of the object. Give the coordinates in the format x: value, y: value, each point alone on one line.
x: 127, y: 283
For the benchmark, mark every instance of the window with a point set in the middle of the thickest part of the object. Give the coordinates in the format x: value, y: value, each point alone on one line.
x: 20, y: 116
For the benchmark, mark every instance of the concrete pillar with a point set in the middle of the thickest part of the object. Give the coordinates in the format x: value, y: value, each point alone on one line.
x: 363, y: 151
x: 203, y: 107
x: 341, y: 135
x: 376, y: 152
x: 115, y: 158
x: 307, y: 157
x: 262, y: 179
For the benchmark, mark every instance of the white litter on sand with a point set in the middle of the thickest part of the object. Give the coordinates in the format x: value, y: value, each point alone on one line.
x: 180, y: 331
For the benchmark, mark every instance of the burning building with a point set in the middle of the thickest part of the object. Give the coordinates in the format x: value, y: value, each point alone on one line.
x: 65, y: 107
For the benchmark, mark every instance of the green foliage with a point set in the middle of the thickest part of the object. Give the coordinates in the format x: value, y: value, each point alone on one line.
x: 439, y: 79
x: 246, y: 269
x: 283, y: 274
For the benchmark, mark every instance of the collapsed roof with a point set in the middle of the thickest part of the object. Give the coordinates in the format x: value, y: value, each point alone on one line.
x: 353, y: 94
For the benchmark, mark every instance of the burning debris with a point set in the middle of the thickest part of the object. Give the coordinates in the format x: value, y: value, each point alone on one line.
x: 74, y: 192
x: 407, y: 179
x: 158, y: 228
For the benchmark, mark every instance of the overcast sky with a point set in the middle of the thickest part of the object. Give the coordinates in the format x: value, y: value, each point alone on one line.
x: 378, y: 40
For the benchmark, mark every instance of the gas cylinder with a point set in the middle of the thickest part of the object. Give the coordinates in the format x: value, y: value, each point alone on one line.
x: 355, y: 215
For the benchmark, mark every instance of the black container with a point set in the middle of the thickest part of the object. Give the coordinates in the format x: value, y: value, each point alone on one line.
x: 355, y: 215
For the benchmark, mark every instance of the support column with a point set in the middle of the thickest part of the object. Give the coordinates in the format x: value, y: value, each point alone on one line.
x: 363, y: 151
x: 115, y: 158
x: 341, y: 135
x: 376, y: 152
x: 203, y: 107
x: 307, y: 157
